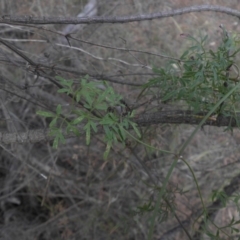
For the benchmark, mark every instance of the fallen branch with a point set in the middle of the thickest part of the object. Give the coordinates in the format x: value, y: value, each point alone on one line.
x: 122, y: 19
x: 170, y: 117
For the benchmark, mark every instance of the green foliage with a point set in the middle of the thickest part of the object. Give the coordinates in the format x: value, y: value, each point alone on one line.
x: 220, y: 195
x: 200, y: 78
x: 204, y: 81
x: 97, y: 108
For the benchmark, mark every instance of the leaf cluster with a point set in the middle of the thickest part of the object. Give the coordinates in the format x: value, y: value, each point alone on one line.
x: 97, y: 106
x: 200, y: 77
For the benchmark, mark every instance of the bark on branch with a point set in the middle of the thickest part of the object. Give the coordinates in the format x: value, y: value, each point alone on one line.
x: 121, y: 19
x: 171, y: 117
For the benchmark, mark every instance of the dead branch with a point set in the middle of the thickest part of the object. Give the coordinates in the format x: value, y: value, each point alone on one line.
x: 122, y: 19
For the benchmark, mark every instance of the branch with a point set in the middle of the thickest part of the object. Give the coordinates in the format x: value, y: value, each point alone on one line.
x: 170, y: 117
x: 54, y: 68
x: 89, y: 10
x: 122, y: 19
x: 184, y: 117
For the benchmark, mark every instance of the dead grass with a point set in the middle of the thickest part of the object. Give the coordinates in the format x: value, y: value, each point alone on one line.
x: 87, y: 197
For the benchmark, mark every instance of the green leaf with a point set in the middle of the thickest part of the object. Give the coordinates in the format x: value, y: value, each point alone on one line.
x: 237, y: 222
x: 58, y: 137
x: 107, y: 150
x: 86, y: 105
x: 87, y: 128
x: 53, y: 122
x: 78, y: 120
x: 55, y: 142
x: 108, y: 119
x: 115, y: 128
x: 102, y: 96
x: 73, y: 129
x: 101, y: 106
x: 169, y: 95
x: 134, y: 125
x: 132, y: 114
x: 184, y: 54
x: 108, y: 132
x: 59, y: 109
x: 126, y: 122
x: 53, y: 132
x: 64, y: 82
x: 64, y: 90
x: 46, y: 114
x: 78, y: 96
x: 212, y: 53
x: 61, y: 137
x: 93, y: 125
x: 89, y: 101
x: 59, y: 78
x: 204, y: 39
x: 122, y: 133
x: 235, y: 229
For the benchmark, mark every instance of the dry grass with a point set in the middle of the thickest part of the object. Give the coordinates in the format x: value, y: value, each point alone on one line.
x: 86, y: 197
